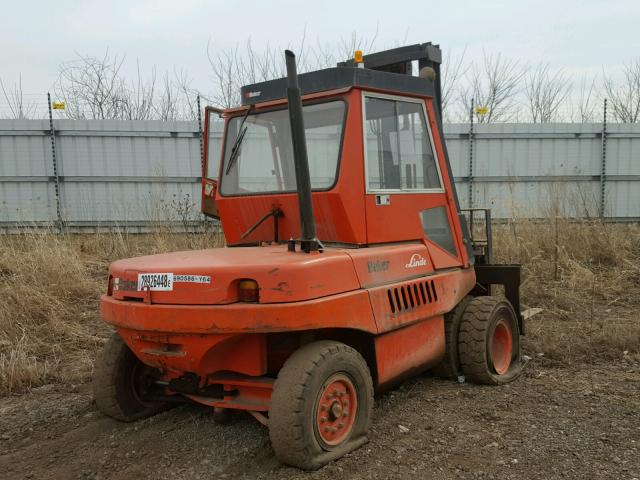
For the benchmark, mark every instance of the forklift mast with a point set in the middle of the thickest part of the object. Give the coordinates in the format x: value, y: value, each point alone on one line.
x: 400, y: 60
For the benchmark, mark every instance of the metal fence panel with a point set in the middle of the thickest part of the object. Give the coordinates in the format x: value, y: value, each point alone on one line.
x: 138, y: 172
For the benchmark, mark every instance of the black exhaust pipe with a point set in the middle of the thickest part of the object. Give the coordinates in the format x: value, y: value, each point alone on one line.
x: 308, y: 242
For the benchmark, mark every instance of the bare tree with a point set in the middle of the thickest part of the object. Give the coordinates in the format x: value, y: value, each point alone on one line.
x: 586, y: 102
x: 226, y: 66
x: 96, y: 88
x: 137, y: 99
x: 176, y: 98
x: 91, y: 87
x: 346, y: 46
x: 624, y: 96
x: 187, y: 95
x: 14, y: 98
x: 545, y: 92
x: 452, y: 71
x: 238, y: 66
x: 493, y: 86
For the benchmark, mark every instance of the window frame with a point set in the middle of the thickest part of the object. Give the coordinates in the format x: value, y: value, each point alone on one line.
x: 398, y: 98
x: 278, y: 108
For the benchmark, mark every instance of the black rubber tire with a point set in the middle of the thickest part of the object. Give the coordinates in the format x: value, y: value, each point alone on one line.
x: 449, y: 368
x: 292, y: 413
x: 113, y: 389
x: 476, y: 328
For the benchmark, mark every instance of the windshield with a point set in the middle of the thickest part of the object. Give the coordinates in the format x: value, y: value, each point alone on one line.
x: 263, y: 161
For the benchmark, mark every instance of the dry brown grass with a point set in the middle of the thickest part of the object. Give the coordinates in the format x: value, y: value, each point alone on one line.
x: 586, y: 276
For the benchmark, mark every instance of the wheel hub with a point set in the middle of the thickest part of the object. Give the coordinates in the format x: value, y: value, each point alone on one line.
x: 141, y: 380
x: 336, y: 410
x: 501, y: 348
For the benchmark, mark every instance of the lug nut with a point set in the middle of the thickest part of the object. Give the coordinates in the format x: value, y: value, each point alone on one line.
x: 323, y: 419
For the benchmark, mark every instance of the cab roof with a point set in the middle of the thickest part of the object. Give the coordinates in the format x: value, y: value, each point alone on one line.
x: 389, y: 70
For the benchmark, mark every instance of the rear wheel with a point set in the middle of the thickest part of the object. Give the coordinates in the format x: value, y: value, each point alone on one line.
x: 321, y: 405
x: 489, y: 342
x: 122, y: 384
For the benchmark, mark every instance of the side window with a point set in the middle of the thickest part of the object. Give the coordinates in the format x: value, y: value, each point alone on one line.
x: 399, y: 151
x: 436, y: 227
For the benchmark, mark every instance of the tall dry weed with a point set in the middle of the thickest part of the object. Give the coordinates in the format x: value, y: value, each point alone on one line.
x: 586, y: 276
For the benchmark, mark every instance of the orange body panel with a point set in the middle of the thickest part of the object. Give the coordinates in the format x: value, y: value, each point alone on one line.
x: 401, y: 304
x: 281, y: 275
x: 390, y: 263
x: 346, y: 310
x: 409, y: 350
x: 175, y: 354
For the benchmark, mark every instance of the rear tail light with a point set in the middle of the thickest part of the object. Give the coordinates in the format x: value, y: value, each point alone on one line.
x: 248, y: 291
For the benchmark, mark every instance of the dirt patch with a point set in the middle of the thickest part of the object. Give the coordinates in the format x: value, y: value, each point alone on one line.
x: 579, y: 422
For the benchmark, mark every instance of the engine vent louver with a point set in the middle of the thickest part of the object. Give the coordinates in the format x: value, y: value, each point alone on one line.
x: 411, y: 296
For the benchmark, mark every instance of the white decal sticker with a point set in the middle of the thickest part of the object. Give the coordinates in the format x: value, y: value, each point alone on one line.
x: 191, y: 279
x: 417, y: 260
x: 155, y: 281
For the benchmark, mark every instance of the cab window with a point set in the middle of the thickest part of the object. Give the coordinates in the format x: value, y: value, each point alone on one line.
x: 399, y: 151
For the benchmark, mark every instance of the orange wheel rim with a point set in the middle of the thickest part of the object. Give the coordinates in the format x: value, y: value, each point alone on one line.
x: 501, y: 347
x: 336, y: 410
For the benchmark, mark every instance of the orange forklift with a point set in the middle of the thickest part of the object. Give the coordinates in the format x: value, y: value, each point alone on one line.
x: 348, y: 265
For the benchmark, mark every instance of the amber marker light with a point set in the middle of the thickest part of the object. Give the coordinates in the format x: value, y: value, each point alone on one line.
x: 248, y: 291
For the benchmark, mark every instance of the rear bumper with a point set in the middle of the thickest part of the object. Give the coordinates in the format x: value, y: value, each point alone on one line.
x: 347, y: 310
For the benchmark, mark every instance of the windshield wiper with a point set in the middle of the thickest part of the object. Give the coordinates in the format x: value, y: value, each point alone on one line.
x: 235, y: 150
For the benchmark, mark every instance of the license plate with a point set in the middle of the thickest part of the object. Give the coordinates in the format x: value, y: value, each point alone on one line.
x: 155, y: 281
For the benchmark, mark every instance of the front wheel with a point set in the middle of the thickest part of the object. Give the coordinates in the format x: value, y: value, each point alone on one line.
x: 489, y: 342
x: 321, y: 405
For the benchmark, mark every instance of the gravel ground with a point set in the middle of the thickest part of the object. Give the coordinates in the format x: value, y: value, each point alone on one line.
x: 581, y: 422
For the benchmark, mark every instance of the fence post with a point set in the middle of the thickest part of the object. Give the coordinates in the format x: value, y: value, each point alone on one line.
x: 470, y: 176
x: 56, y: 177
x: 603, y: 164
x: 200, y: 132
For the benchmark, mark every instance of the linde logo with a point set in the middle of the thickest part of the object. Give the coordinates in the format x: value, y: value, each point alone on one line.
x: 417, y: 260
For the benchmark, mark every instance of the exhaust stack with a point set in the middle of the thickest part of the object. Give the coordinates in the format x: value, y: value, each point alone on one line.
x: 308, y: 241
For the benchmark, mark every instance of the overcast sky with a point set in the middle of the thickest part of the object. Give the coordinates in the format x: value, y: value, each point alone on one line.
x: 579, y: 36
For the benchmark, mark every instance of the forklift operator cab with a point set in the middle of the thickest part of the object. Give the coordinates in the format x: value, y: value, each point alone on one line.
x: 376, y: 164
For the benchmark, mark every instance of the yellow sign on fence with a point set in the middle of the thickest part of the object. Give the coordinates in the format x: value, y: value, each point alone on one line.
x: 57, y: 105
